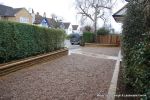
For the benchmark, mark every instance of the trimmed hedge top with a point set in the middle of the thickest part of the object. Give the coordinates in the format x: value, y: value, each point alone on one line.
x: 88, y: 37
x: 19, y: 40
x: 103, y: 31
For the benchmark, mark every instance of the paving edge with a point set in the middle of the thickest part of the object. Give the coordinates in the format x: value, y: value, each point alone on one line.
x: 113, y: 84
x: 100, y: 45
x: 20, y: 64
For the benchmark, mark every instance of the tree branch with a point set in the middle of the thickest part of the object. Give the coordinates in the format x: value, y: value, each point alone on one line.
x: 84, y: 13
x: 100, y: 16
x: 101, y: 6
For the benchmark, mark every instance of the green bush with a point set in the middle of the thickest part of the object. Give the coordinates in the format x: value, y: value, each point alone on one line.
x: 22, y: 40
x: 103, y: 31
x: 88, y: 37
x: 87, y: 28
x: 68, y: 36
x: 136, y: 49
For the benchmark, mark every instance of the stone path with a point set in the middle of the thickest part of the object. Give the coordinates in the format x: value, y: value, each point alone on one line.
x: 83, y: 75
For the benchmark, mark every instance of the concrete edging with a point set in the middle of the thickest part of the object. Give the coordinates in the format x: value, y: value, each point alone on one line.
x: 30, y: 61
x: 100, y: 45
x: 113, y: 84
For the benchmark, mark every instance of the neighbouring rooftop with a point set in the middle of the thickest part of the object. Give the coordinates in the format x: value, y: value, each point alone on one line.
x: 7, y: 11
x: 119, y: 15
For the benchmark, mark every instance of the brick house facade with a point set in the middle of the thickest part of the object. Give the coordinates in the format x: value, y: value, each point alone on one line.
x: 15, y: 14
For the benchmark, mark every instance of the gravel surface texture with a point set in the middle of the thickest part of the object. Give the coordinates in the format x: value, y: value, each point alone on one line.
x: 73, y: 77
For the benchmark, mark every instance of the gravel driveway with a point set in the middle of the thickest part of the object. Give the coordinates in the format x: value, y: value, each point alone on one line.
x: 73, y: 77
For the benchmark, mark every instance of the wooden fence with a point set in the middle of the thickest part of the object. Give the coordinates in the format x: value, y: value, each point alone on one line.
x: 108, y: 39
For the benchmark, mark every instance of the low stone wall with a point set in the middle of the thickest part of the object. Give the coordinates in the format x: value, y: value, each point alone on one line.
x: 13, y: 66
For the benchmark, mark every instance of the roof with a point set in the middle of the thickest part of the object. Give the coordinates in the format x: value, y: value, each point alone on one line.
x: 119, y: 15
x: 17, y: 10
x: 121, y: 12
x: 74, y: 27
x: 52, y: 22
x: 39, y: 18
x: 8, y: 11
x: 66, y: 24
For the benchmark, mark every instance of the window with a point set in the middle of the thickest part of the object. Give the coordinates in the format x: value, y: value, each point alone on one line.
x: 24, y: 20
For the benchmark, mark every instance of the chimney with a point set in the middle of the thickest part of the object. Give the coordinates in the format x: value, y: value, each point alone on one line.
x: 32, y: 11
x: 44, y: 15
x: 33, y: 16
x: 37, y: 13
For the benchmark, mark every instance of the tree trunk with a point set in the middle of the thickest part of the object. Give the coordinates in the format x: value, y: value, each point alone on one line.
x: 95, y: 25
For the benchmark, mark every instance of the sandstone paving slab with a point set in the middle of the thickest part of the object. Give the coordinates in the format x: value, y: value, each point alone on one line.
x: 110, y: 51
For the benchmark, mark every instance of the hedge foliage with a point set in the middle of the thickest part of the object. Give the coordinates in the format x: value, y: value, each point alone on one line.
x: 136, y: 49
x: 22, y: 40
x: 88, y: 37
x: 103, y: 31
x: 87, y: 28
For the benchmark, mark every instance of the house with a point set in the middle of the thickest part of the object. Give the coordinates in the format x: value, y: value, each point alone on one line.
x: 56, y: 23
x: 67, y: 27
x: 41, y: 20
x: 15, y: 14
x: 119, y: 15
x: 75, y: 29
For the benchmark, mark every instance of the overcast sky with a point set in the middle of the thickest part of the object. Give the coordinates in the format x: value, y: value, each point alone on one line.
x: 64, y: 8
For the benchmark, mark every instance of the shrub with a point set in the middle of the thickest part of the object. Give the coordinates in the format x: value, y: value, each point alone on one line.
x: 88, y: 37
x: 136, y: 52
x: 68, y: 36
x: 22, y: 40
x: 87, y: 28
x: 103, y: 31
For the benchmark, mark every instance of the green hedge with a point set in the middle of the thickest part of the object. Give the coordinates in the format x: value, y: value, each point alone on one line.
x: 88, y: 37
x: 103, y: 31
x: 136, y: 50
x: 22, y: 40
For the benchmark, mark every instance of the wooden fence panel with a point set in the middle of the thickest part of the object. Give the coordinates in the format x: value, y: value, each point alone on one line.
x: 108, y: 39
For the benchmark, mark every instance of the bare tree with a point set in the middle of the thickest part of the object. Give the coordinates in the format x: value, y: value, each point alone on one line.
x: 87, y: 28
x: 56, y: 21
x: 93, y: 9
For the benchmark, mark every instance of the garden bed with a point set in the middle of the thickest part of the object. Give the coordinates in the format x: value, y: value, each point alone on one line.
x: 9, y: 67
x: 122, y: 89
